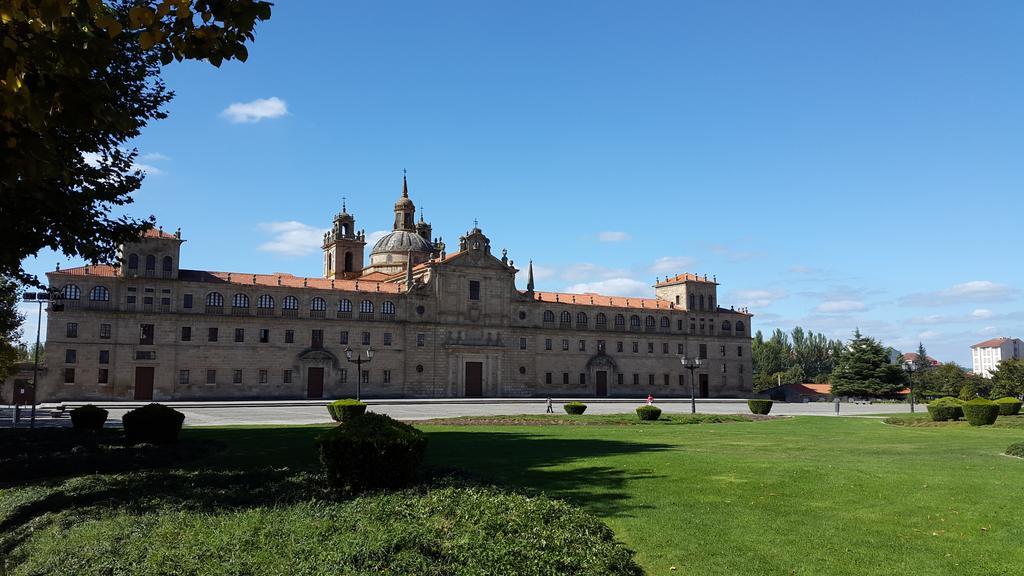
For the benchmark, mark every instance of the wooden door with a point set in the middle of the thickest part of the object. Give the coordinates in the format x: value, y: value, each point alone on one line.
x: 144, y: 382
x: 474, y: 379
x: 314, y: 383
x: 22, y: 391
x: 703, y: 385
x: 602, y: 383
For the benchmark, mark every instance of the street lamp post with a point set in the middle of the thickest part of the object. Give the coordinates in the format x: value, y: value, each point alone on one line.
x: 358, y: 360
x: 910, y: 368
x: 37, y: 298
x: 691, y: 364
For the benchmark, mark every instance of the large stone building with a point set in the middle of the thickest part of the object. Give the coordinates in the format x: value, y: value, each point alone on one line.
x: 441, y: 324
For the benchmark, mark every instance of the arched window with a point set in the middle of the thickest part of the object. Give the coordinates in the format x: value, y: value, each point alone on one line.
x: 601, y: 321
x: 664, y: 322
x: 150, y: 262
x: 344, y: 305
x: 290, y: 303
x: 72, y: 292
x: 366, y: 307
x: 649, y: 321
x: 240, y: 301
x: 693, y: 300
x: 701, y: 301
x: 581, y: 319
x: 387, y: 309
x: 214, y: 299
x: 330, y: 262
x: 265, y: 301
x: 711, y: 302
x: 739, y: 327
x: 634, y: 321
x: 318, y: 304
x: 99, y: 294
x: 167, y: 264
x: 549, y: 316
x: 133, y: 261
x: 565, y: 317
x: 620, y: 321
x: 348, y: 262
x: 726, y: 326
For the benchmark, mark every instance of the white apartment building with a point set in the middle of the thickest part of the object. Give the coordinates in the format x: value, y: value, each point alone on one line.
x: 985, y: 356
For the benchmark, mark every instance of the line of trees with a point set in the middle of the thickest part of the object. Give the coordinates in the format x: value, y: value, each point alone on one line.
x: 800, y: 356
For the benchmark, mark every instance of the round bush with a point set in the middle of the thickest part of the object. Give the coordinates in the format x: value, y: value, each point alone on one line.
x: 759, y: 406
x: 346, y: 409
x: 371, y: 451
x: 88, y: 417
x: 648, y: 412
x: 153, y: 423
x: 981, y: 412
x: 947, y: 408
x: 1016, y: 450
x: 1009, y: 406
x: 576, y: 408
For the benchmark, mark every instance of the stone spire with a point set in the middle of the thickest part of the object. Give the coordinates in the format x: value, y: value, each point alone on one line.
x: 529, y: 279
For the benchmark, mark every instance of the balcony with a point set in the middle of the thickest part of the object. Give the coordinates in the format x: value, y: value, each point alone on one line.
x: 344, y: 314
x: 318, y: 314
x: 219, y: 310
x: 366, y: 315
x: 264, y: 312
x: 239, y: 311
x: 290, y: 312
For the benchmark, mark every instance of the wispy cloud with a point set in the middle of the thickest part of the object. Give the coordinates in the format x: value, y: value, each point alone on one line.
x: 154, y: 157
x: 672, y: 264
x: 259, y: 109
x: 982, y: 313
x: 374, y: 236
x: 840, y: 306
x: 291, y: 238
x: 757, y: 298
x: 613, y: 236
x: 973, y: 291
x: 613, y: 287
x: 93, y: 159
x: 734, y: 255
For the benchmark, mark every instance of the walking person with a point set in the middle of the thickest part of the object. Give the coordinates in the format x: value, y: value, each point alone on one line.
x: 550, y: 410
x: 650, y: 400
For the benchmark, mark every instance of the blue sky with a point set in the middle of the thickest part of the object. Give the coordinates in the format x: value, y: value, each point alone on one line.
x: 836, y: 164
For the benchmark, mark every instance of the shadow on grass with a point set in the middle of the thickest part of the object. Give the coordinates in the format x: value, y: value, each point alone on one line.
x: 546, y: 464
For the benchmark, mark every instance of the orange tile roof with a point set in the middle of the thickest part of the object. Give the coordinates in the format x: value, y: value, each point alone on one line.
x: 827, y: 388
x: 157, y: 233
x: 685, y: 277
x: 913, y: 357
x: 993, y: 343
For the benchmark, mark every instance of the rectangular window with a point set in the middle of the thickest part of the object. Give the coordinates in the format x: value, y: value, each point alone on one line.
x: 565, y: 344
x: 703, y: 351
x: 286, y: 377
x: 722, y: 349
x: 186, y: 301
x: 636, y: 347
x: 547, y: 343
x: 264, y: 378
x: 650, y: 379
x: 69, y: 375
x: 130, y: 299
x: 72, y: 330
x: 316, y: 338
x: 618, y: 346
x: 211, y: 335
x: 636, y: 379
x: 739, y: 351
x: 366, y: 338
x: 679, y: 324
x: 387, y: 376
x: 344, y: 337
x: 147, y: 300
x: 387, y: 338
x: 145, y: 354
x: 186, y: 333
x: 366, y: 377
x: 650, y: 347
x: 723, y: 368
x: 165, y: 302
x: 741, y: 368
x: 474, y: 289
x: 664, y: 348
x: 618, y: 378
x: 583, y: 345
x: 182, y: 376
x: 105, y: 331
x: 682, y: 379
x: 70, y: 356
x: 421, y: 339
x: 289, y: 336
x: 666, y: 379
x: 344, y: 375
x: 236, y: 377
x: 102, y: 376
x: 693, y: 327
x: 146, y: 334
x: 239, y: 334
x: 565, y: 377
x: 264, y: 335
x: 547, y: 377
x: 104, y: 356
x: 583, y: 378
x: 600, y: 345
x: 211, y: 376
x: 522, y: 343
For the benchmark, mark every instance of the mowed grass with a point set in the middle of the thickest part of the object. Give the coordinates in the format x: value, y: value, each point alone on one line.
x: 804, y: 495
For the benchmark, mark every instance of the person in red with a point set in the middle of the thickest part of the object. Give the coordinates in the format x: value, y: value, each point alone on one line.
x: 650, y: 400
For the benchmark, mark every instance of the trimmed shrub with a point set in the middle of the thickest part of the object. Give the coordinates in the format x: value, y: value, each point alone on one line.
x: 88, y: 417
x: 575, y: 408
x: 1009, y: 406
x: 1016, y: 450
x: 346, y: 409
x: 648, y: 412
x: 981, y: 412
x: 759, y: 406
x: 947, y: 408
x: 967, y: 393
x: 371, y: 451
x: 153, y: 423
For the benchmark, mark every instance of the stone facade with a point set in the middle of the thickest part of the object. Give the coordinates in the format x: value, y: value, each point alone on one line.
x: 445, y: 325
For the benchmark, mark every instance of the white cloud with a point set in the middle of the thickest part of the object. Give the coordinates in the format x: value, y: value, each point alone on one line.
x: 982, y: 313
x: 292, y: 238
x: 840, y: 306
x: 672, y: 264
x: 988, y: 330
x: 929, y: 334
x: 259, y: 109
x: 757, y: 298
x: 154, y: 157
x: 613, y: 237
x: 372, y: 237
x: 93, y: 159
x: 613, y: 287
x: 973, y: 291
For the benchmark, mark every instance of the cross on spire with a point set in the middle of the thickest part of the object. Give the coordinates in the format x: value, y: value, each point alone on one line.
x: 476, y: 223
x: 343, y: 199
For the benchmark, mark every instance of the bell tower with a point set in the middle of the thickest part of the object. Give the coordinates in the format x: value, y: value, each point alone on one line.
x: 343, y: 247
x: 405, y: 210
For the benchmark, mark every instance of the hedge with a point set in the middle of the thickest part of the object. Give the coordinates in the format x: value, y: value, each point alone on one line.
x: 371, y: 451
x: 346, y: 409
x: 947, y: 408
x: 153, y: 423
x: 981, y: 412
x: 648, y: 412
x: 759, y: 406
x: 88, y: 417
x: 576, y: 408
x: 1009, y: 406
x: 1016, y: 450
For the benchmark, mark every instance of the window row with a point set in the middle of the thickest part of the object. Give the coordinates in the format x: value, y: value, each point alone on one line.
x: 652, y: 379
x: 649, y: 322
x: 601, y: 346
x: 71, y: 375
x: 262, y: 376
x: 97, y: 294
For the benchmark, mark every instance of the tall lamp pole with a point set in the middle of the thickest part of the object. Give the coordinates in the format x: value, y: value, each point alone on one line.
x: 910, y: 367
x: 40, y: 298
x: 691, y: 364
x: 358, y: 360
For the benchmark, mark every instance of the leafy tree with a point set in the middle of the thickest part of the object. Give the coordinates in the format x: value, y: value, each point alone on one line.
x: 78, y: 80
x: 10, y: 326
x: 1008, y: 379
x: 941, y: 380
x: 792, y: 358
x: 864, y: 369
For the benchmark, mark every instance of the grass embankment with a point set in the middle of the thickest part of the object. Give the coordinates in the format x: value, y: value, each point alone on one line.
x: 925, y: 421
x: 630, y: 419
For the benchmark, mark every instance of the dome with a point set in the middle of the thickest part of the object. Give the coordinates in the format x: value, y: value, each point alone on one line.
x: 401, y: 241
